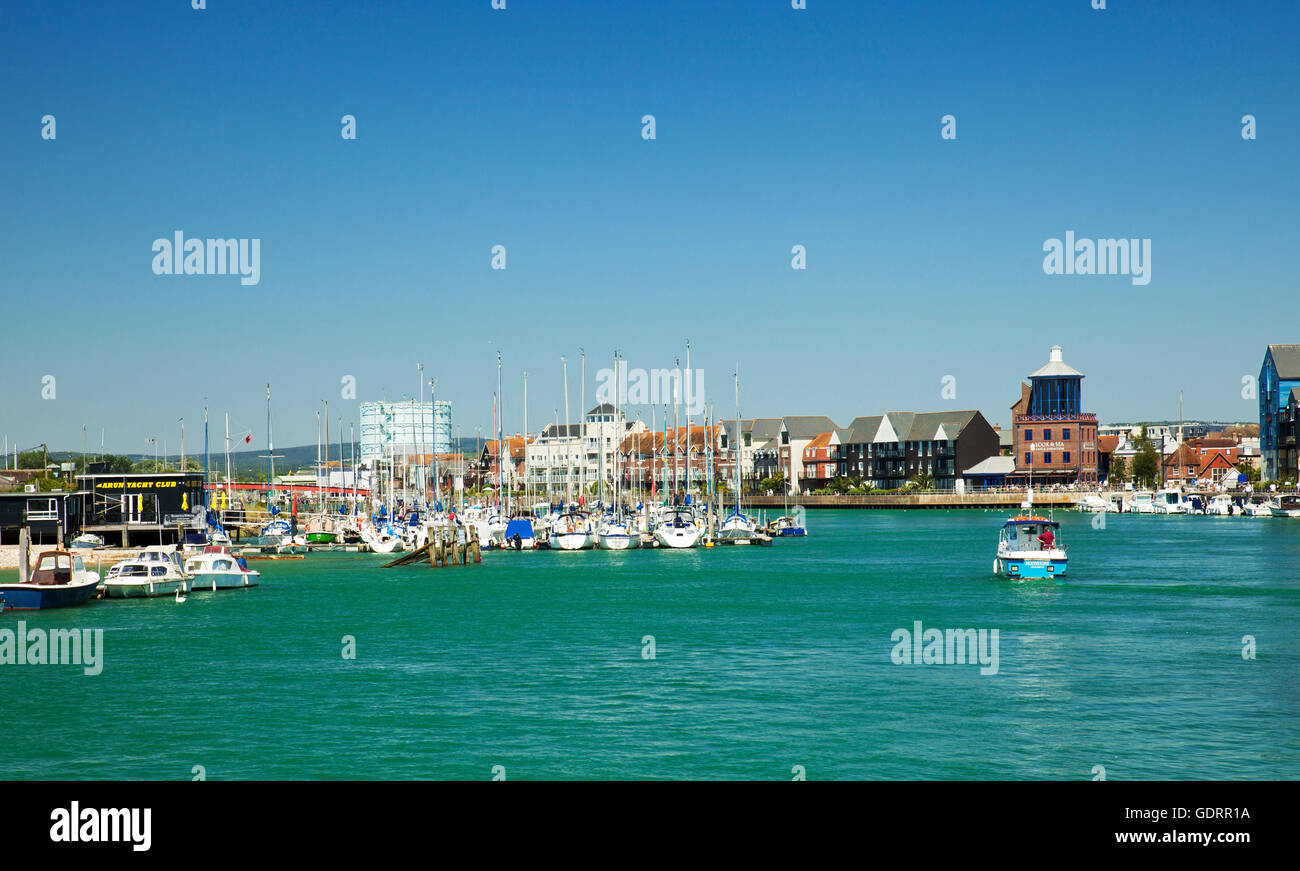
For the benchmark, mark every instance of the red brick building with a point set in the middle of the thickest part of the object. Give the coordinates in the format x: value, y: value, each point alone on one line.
x: 1055, y: 440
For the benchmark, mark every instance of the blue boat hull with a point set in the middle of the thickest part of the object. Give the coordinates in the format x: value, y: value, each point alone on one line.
x: 28, y: 597
x: 1010, y: 567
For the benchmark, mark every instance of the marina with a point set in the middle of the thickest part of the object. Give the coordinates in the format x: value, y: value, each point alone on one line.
x: 781, y: 654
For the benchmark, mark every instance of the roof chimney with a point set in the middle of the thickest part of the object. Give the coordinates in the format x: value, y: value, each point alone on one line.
x: 1055, y: 356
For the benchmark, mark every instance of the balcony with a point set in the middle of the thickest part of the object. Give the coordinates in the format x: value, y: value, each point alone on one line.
x: 1034, y: 418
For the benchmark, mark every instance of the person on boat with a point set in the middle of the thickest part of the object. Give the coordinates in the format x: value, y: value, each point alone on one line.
x: 243, y: 564
x: 1047, y: 539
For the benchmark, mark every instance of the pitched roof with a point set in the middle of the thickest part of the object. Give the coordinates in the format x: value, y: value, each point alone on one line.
x: 1107, y: 443
x: 821, y: 441
x: 644, y: 442
x: 1215, y: 459
x: 1287, y: 360
x: 603, y: 408
x: 514, y: 446
x: 1056, y: 367
x: 729, y: 427
x: 766, y: 429
x: 561, y: 431
x: 1183, y: 456
x: 808, y: 426
x: 936, y: 425
x: 863, y: 430
x: 908, y: 426
x: 995, y: 465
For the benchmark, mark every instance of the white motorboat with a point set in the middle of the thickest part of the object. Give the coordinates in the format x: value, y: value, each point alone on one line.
x: 1285, y: 506
x: 1142, y: 502
x: 216, y: 568
x: 1220, y: 505
x: 1029, y: 547
x: 155, y: 571
x: 1258, y: 506
x: 1169, y: 500
x: 1094, y: 502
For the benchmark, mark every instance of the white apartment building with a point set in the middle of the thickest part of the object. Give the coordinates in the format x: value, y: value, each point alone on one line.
x: 565, y: 455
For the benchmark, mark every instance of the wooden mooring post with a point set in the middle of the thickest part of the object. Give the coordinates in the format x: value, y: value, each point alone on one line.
x: 443, y: 547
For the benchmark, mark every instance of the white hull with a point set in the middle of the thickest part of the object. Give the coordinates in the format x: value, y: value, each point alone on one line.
x: 677, y: 537
x: 571, y: 540
x: 618, y: 541
x: 223, y: 581
x: 145, y: 589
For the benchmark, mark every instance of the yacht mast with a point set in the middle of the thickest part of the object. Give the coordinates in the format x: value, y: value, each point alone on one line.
x: 739, y: 440
x: 568, y: 434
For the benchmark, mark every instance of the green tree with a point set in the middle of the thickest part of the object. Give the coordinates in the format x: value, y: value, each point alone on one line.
x: 921, y: 481
x: 1146, y: 462
x: 31, y: 459
x: 1118, y: 471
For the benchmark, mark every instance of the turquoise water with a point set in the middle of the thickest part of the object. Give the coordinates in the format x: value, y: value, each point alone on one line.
x: 765, y: 659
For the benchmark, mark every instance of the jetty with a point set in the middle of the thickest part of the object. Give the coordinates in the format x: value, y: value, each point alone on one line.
x: 444, y: 548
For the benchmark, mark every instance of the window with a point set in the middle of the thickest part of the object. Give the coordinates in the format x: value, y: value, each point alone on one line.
x: 1029, y: 458
x: 1065, y: 457
x: 1047, y: 456
x: 1047, y: 436
x: 1029, y: 435
x: 1065, y: 435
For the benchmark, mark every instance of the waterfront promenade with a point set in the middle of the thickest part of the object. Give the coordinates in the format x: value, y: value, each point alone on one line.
x: 986, y: 499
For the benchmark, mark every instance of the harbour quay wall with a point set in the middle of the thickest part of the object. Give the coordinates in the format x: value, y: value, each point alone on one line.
x: 1009, y: 499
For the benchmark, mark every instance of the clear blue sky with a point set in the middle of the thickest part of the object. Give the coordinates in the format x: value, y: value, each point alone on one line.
x: 775, y: 127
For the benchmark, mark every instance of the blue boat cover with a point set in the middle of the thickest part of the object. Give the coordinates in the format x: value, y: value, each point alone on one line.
x: 523, y: 528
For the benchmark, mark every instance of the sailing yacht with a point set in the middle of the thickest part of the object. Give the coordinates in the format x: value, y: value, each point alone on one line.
x: 738, y: 527
x: 618, y: 534
x: 678, y: 529
x: 572, y: 531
